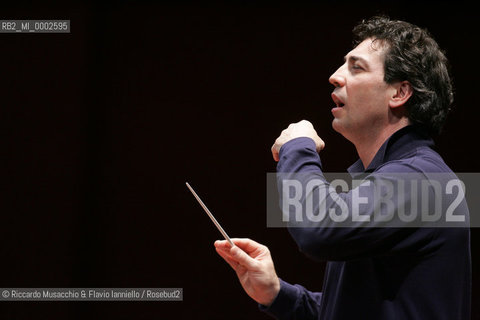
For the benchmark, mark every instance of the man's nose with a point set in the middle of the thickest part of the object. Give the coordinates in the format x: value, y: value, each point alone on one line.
x: 337, y: 78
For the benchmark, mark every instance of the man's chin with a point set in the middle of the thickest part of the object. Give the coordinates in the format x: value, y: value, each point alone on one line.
x: 336, y: 125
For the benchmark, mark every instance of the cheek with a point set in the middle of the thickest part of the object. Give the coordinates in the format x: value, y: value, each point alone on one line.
x: 367, y: 96
x: 360, y: 96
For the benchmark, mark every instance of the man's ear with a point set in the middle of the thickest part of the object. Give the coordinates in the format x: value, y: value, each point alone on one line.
x: 403, y: 91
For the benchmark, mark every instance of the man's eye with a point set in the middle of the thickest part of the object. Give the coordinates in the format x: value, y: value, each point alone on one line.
x: 356, y: 67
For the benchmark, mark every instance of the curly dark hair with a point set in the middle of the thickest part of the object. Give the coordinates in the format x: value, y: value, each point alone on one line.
x: 413, y: 55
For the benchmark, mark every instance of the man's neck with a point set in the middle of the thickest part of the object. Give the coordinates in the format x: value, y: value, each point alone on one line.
x: 368, y: 147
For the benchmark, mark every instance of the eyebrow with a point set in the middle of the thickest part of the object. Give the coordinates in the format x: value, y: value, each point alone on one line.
x: 355, y: 58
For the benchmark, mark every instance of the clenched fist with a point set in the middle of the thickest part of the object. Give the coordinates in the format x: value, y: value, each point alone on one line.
x: 296, y: 130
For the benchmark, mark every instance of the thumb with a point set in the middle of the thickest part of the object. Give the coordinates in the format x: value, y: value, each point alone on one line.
x: 243, y: 258
x: 275, y: 153
x: 319, y: 143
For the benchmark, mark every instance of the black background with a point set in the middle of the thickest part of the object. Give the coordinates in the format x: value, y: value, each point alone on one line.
x: 100, y: 129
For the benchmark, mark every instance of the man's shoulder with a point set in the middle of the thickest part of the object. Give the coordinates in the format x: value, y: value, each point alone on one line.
x: 421, y: 159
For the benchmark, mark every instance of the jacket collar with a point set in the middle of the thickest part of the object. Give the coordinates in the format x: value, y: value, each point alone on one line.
x: 400, y: 144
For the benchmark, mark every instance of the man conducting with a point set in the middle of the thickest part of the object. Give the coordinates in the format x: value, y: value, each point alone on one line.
x: 391, y: 94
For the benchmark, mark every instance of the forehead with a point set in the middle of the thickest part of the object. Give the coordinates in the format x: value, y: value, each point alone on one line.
x: 373, y: 52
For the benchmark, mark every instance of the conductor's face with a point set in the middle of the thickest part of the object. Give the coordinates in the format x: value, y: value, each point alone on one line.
x: 361, y: 95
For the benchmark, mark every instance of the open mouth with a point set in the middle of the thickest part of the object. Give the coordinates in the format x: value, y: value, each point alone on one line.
x: 339, y: 103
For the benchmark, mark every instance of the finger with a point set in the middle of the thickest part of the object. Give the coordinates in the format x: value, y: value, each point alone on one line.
x: 242, y: 258
x: 228, y: 258
x: 275, y: 153
x: 306, y: 123
x: 223, y: 244
x: 320, y: 144
x: 248, y: 245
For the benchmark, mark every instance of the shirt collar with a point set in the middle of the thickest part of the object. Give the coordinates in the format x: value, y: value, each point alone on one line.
x: 395, y: 147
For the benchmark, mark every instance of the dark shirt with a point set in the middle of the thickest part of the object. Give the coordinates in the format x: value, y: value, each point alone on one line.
x: 380, y: 273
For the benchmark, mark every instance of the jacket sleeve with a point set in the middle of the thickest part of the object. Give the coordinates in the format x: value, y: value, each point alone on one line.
x: 294, y: 302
